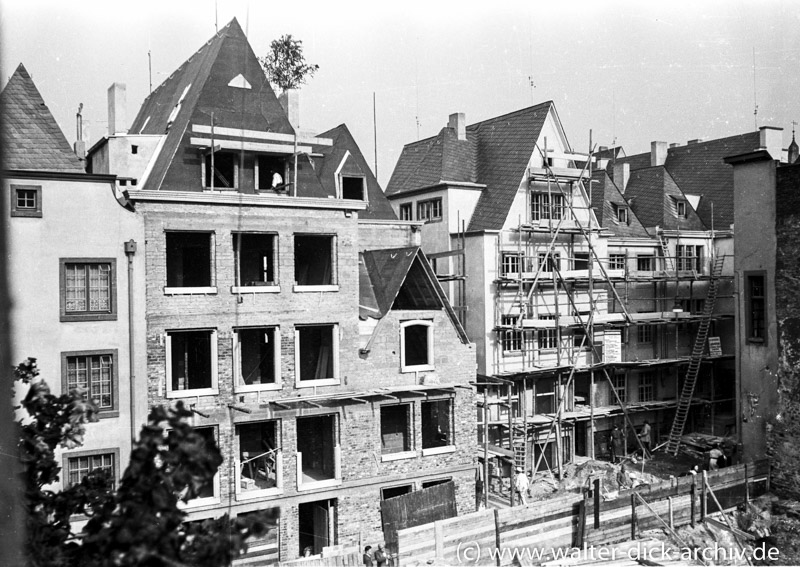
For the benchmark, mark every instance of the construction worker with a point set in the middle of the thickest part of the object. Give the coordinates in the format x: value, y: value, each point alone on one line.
x: 714, y: 456
x: 616, y: 444
x: 521, y: 486
x: 644, y: 437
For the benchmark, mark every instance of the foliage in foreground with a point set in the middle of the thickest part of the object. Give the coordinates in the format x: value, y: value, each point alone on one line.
x: 136, y: 523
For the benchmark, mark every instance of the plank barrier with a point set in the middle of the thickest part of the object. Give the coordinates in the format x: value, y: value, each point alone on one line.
x: 490, y: 537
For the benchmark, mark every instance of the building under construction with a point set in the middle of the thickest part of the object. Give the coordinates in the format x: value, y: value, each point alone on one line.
x: 597, y: 287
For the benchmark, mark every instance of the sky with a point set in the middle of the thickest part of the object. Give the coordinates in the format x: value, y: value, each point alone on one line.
x: 629, y: 72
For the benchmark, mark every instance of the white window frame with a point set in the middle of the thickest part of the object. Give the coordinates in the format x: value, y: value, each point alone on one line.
x: 275, y: 490
x: 406, y: 207
x: 298, y: 383
x: 507, y: 261
x: 425, y: 210
x: 622, y: 215
x: 416, y: 367
x: 511, y: 337
x: 214, y: 389
x: 680, y: 208
x: 238, y: 380
x: 547, y: 206
x: 198, y: 290
x: 340, y: 186
x: 614, y: 261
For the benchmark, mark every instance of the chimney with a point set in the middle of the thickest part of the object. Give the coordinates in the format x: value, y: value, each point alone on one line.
x: 674, y: 145
x: 622, y: 172
x: 658, y: 153
x: 457, y: 123
x: 116, y: 109
x: 770, y: 138
x: 290, y: 101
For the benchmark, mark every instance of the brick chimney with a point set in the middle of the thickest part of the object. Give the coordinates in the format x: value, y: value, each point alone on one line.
x: 770, y: 138
x: 622, y: 173
x: 457, y: 122
x: 117, y: 120
x: 658, y: 153
x: 290, y: 101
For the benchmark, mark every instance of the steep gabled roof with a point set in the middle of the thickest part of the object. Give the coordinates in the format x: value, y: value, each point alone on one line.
x: 495, y: 153
x: 653, y: 194
x: 605, y: 198
x: 30, y: 135
x: 378, y: 206
x: 699, y: 169
x: 196, y: 89
x: 400, y: 278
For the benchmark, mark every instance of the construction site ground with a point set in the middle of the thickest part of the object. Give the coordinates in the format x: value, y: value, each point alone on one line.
x: 773, y: 523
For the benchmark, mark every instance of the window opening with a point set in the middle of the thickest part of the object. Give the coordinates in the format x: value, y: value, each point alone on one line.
x: 26, y: 201
x: 581, y: 261
x: 257, y: 349
x: 88, y: 288
x: 395, y: 491
x: 316, y: 523
x: 545, y: 396
x: 547, y: 206
x: 209, y: 439
x: 80, y: 466
x: 191, y: 367
x: 416, y: 350
x: 644, y: 333
x: 258, y: 455
x: 316, y: 352
x: 646, y: 387
x: 406, y: 212
x: 689, y: 257
x: 430, y: 210
x: 396, y: 431
x: 510, y: 264
x: 95, y: 375
x: 512, y: 338
x: 431, y: 483
x: 547, y: 338
x: 620, y: 386
x: 757, y: 308
x: 645, y: 263
x: 271, y: 172
x: 316, y: 441
x: 622, y: 215
x: 224, y: 170
x: 681, y: 207
x: 553, y: 262
x: 188, y: 259
x: 313, y: 259
x: 353, y: 188
x: 255, y: 254
x: 437, y: 419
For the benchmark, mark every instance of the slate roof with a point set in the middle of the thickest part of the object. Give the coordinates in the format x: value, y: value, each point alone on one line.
x: 605, y: 196
x: 700, y: 169
x: 653, y: 194
x: 201, y: 87
x: 495, y: 153
x: 378, y: 206
x: 32, y: 140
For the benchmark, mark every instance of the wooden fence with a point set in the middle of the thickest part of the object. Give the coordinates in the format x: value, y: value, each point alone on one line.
x: 487, y: 537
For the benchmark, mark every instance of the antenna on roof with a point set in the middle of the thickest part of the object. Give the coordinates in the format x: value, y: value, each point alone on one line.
x: 755, y: 100
x: 216, y: 25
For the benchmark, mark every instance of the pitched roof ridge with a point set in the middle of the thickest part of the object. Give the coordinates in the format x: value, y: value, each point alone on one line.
x: 517, y: 112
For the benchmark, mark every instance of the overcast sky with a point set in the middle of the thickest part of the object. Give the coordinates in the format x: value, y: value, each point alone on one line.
x: 630, y: 71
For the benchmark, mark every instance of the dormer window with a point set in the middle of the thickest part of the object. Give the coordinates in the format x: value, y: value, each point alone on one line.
x: 681, y: 209
x: 265, y: 175
x: 622, y: 215
x: 226, y: 171
x: 353, y: 187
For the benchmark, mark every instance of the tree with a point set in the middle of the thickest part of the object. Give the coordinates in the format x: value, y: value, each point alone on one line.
x: 139, y: 522
x: 285, y: 64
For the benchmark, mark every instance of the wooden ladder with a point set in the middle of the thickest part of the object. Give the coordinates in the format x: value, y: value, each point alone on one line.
x: 698, y: 353
x: 668, y: 265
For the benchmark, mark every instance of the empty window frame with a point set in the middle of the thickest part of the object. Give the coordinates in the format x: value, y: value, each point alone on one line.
x: 622, y: 215
x: 547, y: 338
x: 680, y: 208
x: 416, y: 345
x: 189, y: 259
x: 354, y: 187
x: 406, y: 211
x: 78, y: 465
x: 270, y: 172
x: 694, y: 306
x: 265, y: 544
x: 510, y: 264
x: 756, y: 307
x: 318, y: 448
x: 553, y: 262
x: 644, y: 334
x: 191, y: 362
x: 396, y: 428
x: 395, y: 491
x: 689, y: 257
x: 547, y: 206
x: 430, y: 483
x: 430, y: 210
x: 95, y: 373
x: 226, y: 171
x: 316, y: 348
x: 647, y: 389
x: 620, y: 387
x: 256, y: 258
x: 545, y: 396
x: 88, y: 289
x: 512, y: 338
x: 256, y: 353
x: 437, y: 424
x: 616, y: 261
x: 26, y: 201
x: 581, y: 261
x: 259, y: 456
x: 580, y: 340
x: 645, y: 263
x: 314, y: 259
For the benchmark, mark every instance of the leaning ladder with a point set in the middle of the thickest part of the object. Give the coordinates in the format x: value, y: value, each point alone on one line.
x: 665, y: 252
x: 698, y: 351
x: 519, y: 446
